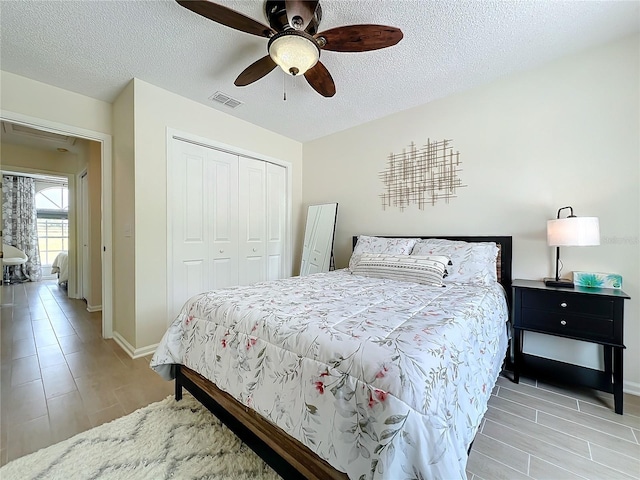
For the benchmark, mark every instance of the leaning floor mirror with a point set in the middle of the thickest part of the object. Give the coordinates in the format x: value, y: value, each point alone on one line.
x: 317, y: 250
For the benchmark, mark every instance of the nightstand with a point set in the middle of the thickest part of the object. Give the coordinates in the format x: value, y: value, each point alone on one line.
x: 593, y: 315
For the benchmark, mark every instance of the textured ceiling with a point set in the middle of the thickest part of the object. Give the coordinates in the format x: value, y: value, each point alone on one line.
x: 95, y: 47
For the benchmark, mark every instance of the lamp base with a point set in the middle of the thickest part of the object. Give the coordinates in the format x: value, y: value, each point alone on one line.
x: 560, y: 283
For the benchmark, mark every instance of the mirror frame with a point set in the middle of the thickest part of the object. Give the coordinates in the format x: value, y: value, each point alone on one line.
x: 325, y: 217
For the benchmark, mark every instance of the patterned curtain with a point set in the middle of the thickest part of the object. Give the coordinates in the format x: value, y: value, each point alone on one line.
x: 20, y: 227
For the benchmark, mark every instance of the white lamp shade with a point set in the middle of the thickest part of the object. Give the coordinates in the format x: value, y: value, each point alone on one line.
x: 295, y: 54
x: 573, y: 232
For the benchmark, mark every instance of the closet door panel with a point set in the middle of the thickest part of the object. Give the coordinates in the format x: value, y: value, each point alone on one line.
x: 223, y: 219
x: 189, y: 232
x: 252, y: 214
x: 194, y: 277
x: 276, y: 196
x: 194, y: 201
x: 225, y: 272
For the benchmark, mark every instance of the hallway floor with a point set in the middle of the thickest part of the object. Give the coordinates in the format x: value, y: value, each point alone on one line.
x: 58, y: 376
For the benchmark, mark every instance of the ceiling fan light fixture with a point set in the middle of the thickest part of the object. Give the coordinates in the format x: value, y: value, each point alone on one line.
x: 294, y: 51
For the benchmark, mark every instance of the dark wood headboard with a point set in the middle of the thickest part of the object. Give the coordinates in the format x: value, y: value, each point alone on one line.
x: 503, y: 263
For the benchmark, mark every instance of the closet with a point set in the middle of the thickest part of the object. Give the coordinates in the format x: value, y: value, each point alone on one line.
x: 227, y: 221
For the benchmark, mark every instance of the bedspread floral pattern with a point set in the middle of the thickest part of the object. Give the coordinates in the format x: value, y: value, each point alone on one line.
x: 383, y: 379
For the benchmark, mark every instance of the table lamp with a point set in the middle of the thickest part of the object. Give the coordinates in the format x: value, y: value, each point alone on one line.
x: 571, y: 231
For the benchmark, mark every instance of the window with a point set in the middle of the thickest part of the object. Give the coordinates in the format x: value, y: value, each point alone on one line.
x: 52, y: 204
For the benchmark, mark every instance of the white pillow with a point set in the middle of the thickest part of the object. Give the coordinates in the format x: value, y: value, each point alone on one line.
x: 472, y: 262
x: 426, y: 270
x: 396, y: 246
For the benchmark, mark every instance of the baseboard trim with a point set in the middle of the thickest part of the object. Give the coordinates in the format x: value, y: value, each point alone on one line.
x: 130, y: 350
x: 94, y: 308
x: 631, y: 388
x: 148, y: 350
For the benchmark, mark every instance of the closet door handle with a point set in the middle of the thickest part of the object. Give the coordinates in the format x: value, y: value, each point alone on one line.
x: 221, y: 251
x: 255, y: 249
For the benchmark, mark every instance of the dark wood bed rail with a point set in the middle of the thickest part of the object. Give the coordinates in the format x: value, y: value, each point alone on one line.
x: 286, y: 455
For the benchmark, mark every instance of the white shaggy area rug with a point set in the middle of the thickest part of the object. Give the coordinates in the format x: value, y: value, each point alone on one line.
x: 167, y: 439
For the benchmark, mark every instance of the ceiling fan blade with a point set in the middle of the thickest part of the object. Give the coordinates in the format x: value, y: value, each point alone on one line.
x: 359, y: 38
x: 255, y: 71
x: 300, y: 12
x: 227, y: 17
x: 320, y: 80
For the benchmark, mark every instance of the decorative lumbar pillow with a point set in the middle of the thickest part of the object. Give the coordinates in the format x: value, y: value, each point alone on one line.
x: 426, y: 270
x: 395, y: 246
x: 473, y: 262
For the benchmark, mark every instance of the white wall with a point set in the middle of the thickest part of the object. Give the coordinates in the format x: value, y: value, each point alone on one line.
x: 38, y: 159
x: 155, y: 111
x: 36, y: 99
x: 124, y: 323
x: 563, y: 134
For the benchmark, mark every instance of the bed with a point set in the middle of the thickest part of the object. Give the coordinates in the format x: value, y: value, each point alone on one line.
x: 343, y: 375
x: 60, y: 266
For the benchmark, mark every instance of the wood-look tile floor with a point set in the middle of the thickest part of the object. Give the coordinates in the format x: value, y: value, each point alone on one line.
x: 534, y: 430
x: 58, y: 375
x: 59, y: 378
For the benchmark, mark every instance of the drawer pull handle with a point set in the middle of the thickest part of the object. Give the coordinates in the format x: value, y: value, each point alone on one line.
x: 563, y: 322
x: 563, y: 305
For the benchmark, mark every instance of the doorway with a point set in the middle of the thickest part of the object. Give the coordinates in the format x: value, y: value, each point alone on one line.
x: 105, y: 149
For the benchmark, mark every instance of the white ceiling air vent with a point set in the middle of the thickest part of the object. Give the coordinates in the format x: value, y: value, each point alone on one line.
x: 225, y: 99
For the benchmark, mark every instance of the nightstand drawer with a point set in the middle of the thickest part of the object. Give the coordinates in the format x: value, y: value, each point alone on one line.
x: 560, y: 302
x: 577, y: 326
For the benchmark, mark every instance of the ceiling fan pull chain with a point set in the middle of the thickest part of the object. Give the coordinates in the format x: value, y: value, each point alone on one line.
x: 284, y: 87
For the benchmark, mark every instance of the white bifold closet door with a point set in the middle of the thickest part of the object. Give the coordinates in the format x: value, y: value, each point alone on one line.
x: 228, y: 221
x: 204, y: 209
x: 262, y: 220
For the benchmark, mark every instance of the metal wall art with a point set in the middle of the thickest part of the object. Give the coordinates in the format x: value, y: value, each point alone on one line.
x: 421, y: 175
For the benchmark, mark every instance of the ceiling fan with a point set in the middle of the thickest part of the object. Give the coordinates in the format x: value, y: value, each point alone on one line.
x: 294, y: 42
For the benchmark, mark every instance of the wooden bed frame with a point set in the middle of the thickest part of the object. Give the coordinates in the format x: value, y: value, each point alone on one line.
x: 286, y: 455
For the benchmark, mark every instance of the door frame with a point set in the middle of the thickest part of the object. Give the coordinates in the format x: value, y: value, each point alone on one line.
x: 84, y: 264
x: 174, y: 135
x: 106, y: 142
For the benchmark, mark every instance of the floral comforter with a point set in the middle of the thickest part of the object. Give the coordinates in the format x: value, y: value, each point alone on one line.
x: 383, y: 379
